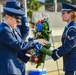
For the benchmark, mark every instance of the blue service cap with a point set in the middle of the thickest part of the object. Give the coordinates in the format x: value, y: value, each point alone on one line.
x: 13, y: 4
x: 13, y: 8
x: 68, y: 7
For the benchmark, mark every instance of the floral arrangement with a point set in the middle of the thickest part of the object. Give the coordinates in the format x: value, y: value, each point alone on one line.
x: 41, y: 31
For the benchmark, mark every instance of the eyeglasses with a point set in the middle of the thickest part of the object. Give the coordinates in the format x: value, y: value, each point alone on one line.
x: 18, y: 20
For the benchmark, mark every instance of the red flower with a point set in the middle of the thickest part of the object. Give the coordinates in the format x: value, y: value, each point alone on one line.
x: 36, y: 59
x: 42, y: 21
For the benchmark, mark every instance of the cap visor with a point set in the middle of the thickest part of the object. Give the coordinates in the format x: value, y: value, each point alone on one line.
x: 14, y: 11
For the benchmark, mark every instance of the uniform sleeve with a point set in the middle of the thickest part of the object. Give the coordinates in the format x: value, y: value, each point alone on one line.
x: 24, y: 29
x: 9, y: 40
x: 67, y: 46
x: 23, y: 57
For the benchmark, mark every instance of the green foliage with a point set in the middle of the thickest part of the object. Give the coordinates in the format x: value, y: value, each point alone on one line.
x: 44, y: 51
x: 29, y: 14
x: 32, y: 5
x: 73, y: 1
x: 42, y: 31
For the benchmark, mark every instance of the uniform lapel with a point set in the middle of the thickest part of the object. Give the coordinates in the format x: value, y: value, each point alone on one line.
x: 18, y: 31
x: 65, y: 30
x: 17, y: 35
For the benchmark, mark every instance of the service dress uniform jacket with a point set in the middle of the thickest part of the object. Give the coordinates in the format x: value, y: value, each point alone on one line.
x: 68, y: 48
x: 10, y: 44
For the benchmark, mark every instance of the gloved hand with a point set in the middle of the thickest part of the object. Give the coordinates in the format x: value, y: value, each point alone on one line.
x: 24, y: 20
x: 41, y: 41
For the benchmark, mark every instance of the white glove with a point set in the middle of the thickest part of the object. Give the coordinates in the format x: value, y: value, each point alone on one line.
x: 41, y: 41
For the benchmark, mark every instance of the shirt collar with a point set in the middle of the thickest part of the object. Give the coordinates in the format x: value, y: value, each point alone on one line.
x: 8, y: 25
x: 68, y: 24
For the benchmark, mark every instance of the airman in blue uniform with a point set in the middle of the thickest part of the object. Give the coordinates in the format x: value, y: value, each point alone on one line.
x: 24, y: 30
x: 68, y: 47
x: 12, y: 40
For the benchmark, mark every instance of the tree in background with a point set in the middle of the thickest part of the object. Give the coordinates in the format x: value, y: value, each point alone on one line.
x: 73, y: 2
x: 58, y: 1
x: 50, y: 4
x: 32, y: 5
